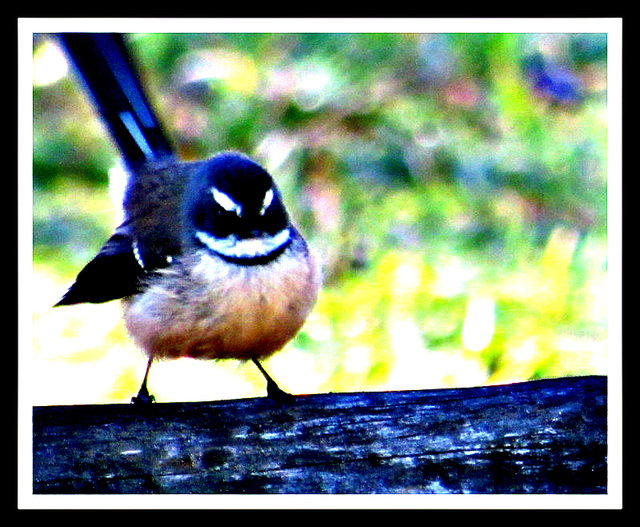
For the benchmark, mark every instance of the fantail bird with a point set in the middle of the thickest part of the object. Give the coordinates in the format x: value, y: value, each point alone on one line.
x: 206, y: 261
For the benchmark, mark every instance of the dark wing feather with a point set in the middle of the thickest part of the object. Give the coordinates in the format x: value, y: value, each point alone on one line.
x: 114, y: 273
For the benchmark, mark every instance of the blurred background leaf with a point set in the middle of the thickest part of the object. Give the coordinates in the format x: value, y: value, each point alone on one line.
x: 454, y: 184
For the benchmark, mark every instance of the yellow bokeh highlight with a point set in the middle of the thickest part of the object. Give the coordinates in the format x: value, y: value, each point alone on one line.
x: 237, y: 70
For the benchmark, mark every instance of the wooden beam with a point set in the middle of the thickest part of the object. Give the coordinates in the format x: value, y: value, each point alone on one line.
x: 547, y: 436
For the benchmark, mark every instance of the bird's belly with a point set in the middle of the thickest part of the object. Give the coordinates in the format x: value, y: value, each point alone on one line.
x: 226, y: 311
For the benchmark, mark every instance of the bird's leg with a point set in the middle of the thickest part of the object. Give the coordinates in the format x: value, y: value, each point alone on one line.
x: 144, y: 397
x: 273, y: 390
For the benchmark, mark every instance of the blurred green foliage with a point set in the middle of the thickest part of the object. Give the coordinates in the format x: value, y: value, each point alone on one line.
x: 455, y: 185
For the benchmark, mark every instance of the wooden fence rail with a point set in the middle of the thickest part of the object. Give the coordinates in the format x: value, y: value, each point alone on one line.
x: 547, y: 436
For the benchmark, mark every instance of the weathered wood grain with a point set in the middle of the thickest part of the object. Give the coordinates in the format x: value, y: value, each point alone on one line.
x: 546, y: 436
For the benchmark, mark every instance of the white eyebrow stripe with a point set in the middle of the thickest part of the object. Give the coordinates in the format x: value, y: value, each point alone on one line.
x: 225, y: 201
x: 268, y: 199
